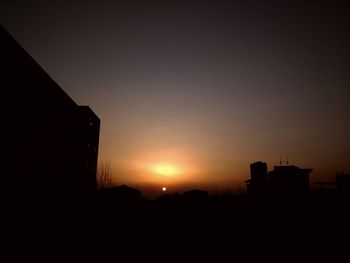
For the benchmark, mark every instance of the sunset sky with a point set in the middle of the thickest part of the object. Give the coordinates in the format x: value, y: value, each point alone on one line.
x: 190, y: 93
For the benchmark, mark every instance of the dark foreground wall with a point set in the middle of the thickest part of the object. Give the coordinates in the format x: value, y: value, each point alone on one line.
x: 51, y: 143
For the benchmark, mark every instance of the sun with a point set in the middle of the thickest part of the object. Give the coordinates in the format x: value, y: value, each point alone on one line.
x: 166, y: 170
x: 164, y: 189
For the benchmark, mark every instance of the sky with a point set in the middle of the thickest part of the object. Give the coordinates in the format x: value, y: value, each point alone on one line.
x: 190, y: 93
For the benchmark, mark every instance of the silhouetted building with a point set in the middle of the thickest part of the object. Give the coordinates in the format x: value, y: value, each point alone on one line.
x: 282, y: 179
x: 340, y: 185
x: 343, y: 182
x: 325, y: 187
x: 52, y: 143
x: 258, y: 172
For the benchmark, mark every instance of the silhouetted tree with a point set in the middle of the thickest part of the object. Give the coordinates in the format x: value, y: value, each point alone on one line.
x: 104, y: 175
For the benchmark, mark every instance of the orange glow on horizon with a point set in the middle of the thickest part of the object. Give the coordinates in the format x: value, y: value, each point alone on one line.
x: 164, y: 167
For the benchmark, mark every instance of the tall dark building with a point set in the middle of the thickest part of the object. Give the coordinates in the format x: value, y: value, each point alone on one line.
x: 283, y: 179
x: 258, y: 173
x: 51, y: 143
x: 343, y: 182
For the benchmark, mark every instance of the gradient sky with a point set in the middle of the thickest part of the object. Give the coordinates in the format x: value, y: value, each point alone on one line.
x: 204, y: 88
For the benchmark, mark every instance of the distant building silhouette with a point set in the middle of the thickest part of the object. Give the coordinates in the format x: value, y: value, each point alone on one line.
x: 52, y: 142
x: 258, y: 181
x: 282, y: 179
x: 325, y: 186
x: 342, y: 182
x: 340, y: 185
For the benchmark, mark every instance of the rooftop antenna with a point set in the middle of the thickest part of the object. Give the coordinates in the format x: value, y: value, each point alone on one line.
x: 280, y: 160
